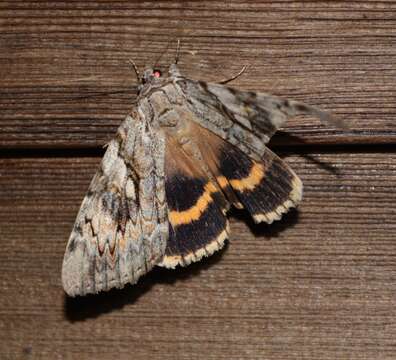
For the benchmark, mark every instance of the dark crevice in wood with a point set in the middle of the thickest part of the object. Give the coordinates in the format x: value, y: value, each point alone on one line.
x: 51, y: 153
x: 337, y: 148
x: 280, y: 149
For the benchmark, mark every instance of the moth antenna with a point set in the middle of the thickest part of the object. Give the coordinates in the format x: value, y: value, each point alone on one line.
x: 177, y: 52
x: 225, y: 81
x: 161, y: 55
x: 136, y: 70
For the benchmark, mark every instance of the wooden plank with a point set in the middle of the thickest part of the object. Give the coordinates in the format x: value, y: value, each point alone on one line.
x: 65, y: 80
x: 321, y: 284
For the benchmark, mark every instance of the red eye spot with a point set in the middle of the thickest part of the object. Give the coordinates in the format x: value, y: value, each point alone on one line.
x: 157, y: 73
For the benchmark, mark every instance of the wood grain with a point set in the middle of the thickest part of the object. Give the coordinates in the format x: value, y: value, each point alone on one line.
x: 65, y: 80
x: 320, y: 284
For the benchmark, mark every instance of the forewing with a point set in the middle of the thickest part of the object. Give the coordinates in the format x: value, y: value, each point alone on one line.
x: 121, y: 229
x: 246, y: 119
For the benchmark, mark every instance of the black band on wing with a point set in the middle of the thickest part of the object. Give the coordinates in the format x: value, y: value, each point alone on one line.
x: 196, y: 209
x: 197, y: 230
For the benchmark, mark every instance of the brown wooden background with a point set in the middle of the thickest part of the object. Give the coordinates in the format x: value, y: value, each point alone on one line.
x: 320, y: 284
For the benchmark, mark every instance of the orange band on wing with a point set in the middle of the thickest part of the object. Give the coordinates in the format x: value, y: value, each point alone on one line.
x: 194, y: 212
x: 254, y: 178
x: 223, y: 182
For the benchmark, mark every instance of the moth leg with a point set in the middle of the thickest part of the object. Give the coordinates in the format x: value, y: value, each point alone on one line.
x: 225, y: 81
x: 177, y: 52
x: 173, y: 69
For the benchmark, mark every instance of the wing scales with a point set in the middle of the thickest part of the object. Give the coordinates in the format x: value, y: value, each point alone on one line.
x: 121, y: 229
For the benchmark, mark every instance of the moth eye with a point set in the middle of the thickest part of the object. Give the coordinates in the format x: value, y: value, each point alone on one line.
x: 157, y: 73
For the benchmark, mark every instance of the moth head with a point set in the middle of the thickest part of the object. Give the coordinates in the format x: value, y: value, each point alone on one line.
x: 154, y: 76
x: 151, y: 75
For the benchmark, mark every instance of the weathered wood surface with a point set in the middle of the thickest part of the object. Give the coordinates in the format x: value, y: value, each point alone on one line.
x: 59, y: 60
x: 320, y: 284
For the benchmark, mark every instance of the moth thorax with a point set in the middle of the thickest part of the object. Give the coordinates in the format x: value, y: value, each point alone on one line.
x: 169, y: 119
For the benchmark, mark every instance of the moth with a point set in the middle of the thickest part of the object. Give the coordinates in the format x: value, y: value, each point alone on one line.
x: 186, y: 153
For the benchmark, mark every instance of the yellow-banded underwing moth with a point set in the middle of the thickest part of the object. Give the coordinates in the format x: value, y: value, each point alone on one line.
x: 187, y: 152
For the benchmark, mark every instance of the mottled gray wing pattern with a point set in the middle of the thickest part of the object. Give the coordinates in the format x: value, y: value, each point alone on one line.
x: 243, y: 118
x: 121, y: 229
